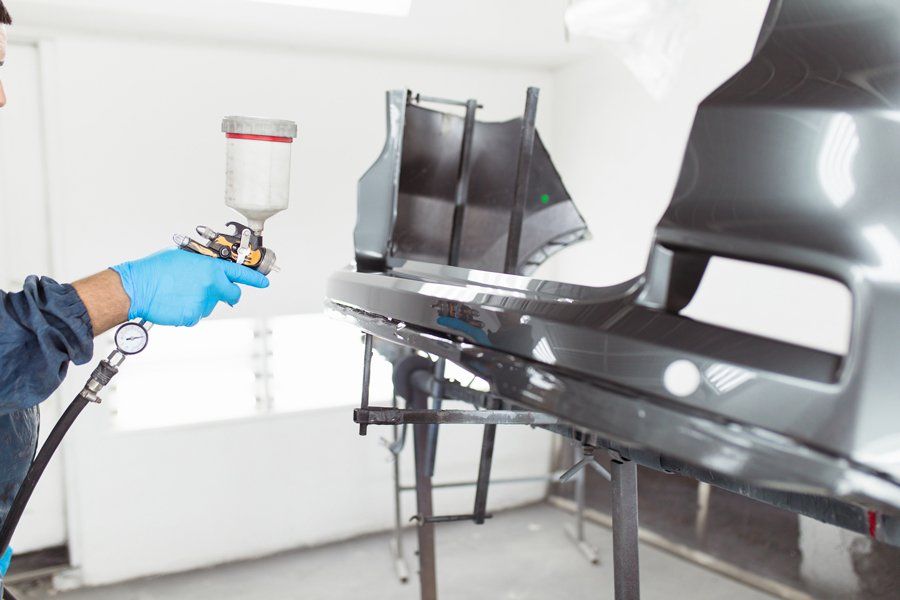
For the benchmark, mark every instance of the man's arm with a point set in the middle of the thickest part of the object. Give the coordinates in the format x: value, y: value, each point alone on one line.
x: 105, y: 299
x: 48, y: 324
x: 171, y: 287
x: 42, y: 328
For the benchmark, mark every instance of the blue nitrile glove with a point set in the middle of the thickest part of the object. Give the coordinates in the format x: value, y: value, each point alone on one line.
x: 4, y: 562
x: 174, y: 287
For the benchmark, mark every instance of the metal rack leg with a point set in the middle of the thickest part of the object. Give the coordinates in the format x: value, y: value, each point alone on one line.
x: 625, y: 529
x: 427, y: 564
x: 484, y: 472
x: 437, y: 397
x: 400, y: 566
x: 577, y: 532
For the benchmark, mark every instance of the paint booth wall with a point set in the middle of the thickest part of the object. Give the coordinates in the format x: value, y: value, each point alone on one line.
x: 136, y: 155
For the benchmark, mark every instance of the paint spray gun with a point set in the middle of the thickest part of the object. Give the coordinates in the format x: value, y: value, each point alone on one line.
x: 257, y: 184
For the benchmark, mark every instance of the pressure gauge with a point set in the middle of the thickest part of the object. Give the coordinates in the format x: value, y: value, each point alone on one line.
x: 131, y: 338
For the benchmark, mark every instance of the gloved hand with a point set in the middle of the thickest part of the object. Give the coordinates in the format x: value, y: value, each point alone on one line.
x: 4, y: 562
x: 174, y: 287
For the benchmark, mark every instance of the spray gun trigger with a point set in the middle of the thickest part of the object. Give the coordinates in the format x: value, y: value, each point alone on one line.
x: 239, y: 229
x: 244, y: 249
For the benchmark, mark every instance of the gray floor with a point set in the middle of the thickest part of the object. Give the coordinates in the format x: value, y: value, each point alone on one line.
x: 518, y: 555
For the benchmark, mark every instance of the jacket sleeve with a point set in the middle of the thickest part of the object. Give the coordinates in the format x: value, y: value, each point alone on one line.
x: 42, y: 328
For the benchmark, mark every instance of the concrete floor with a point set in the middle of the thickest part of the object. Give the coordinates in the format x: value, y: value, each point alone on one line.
x: 518, y: 555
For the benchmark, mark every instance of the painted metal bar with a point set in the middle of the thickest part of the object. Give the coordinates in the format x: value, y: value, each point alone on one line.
x: 437, y: 399
x: 456, y: 234
x: 400, y: 566
x: 462, y: 183
x: 523, y: 174
x: 424, y: 508
x: 501, y: 481
x: 390, y: 416
x: 437, y: 100
x: 367, y: 375
x: 579, y: 473
x: 484, y: 469
x: 580, y: 500
x: 453, y: 518
x: 626, y: 567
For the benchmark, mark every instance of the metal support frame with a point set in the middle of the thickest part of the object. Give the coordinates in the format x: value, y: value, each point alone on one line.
x: 583, y: 457
x: 424, y: 507
x: 623, y: 478
x: 461, y: 198
x: 377, y: 415
x: 400, y: 419
x: 419, y: 98
x: 367, y: 375
x: 484, y: 472
x: 523, y: 174
x: 437, y: 398
x: 400, y: 566
x: 462, y: 182
x: 626, y: 567
x: 576, y: 532
x: 425, y: 422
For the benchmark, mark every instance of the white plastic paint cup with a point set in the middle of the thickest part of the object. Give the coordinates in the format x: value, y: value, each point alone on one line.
x: 257, y: 166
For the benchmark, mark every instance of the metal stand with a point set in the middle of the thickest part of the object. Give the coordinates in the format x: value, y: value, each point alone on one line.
x: 623, y: 477
x: 584, y: 456
x: 625, y: 529
x: 367, y: 374
x: 461, y: 198
x: 424, y: 509
x: 400, y: 566
x: 425, y: 421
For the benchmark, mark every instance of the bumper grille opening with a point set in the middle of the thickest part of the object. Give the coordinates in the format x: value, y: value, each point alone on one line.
x: 776, y: 303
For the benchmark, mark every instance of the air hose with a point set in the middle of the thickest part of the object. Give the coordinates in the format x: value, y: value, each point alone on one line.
x: 38, y: 465
x: 37, y: 469
x: 102, y: 374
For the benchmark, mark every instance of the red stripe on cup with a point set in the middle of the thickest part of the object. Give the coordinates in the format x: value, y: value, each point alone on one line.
x: 259, y: 138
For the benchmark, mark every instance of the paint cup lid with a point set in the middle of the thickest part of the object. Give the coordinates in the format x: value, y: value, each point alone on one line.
x: 259, y: 126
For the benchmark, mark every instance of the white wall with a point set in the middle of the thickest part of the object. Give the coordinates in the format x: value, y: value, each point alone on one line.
x: 141, y: 154
x: 138, y: 155
x: 620, y: 148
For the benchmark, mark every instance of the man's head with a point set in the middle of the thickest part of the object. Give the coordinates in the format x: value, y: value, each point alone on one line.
x: 5, y: 20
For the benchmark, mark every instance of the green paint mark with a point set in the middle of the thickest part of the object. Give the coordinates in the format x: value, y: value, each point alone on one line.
x: 545, y: 198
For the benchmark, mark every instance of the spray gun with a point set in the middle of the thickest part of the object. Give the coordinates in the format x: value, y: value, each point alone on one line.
x: 257, y: 183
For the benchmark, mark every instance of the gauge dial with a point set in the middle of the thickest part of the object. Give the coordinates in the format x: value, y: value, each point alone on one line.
x: 131, y: 338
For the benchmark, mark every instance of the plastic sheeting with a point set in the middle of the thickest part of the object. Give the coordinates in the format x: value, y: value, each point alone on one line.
x: 649, y: 36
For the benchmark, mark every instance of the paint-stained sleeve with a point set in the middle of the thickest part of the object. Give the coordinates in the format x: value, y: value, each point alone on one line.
x: 42, y: 329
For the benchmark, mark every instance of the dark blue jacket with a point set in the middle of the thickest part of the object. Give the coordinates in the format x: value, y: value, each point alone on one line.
x: 42, y: 328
